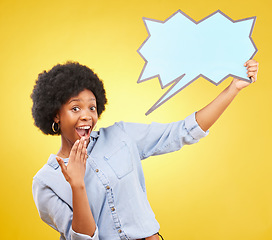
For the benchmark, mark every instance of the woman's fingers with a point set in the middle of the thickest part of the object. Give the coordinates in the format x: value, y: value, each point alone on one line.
x: 83, y: 155
x: 80, y: 149
x: 75, y: 169
x: 84, y: 151
x: 250, y: 74
x: 74, y: 151
x: 63, y: 167
x: 252, y: 69
x: 254, y: 78
x: 252, y: 66
x: 251, y: 62
x: 61, y: 162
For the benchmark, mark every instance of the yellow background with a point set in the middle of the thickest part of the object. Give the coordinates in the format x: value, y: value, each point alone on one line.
x: 218, y: 189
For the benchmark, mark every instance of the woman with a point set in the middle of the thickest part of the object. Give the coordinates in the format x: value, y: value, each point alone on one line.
x: 94, y: 188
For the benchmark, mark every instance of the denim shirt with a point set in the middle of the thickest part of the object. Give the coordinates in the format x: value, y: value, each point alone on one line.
x: 114, y: 180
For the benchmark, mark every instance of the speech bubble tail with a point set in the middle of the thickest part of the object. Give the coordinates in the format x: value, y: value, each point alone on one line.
x: 180, y: 84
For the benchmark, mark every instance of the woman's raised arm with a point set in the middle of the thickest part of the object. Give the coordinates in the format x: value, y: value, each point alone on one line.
x: 208, y: 115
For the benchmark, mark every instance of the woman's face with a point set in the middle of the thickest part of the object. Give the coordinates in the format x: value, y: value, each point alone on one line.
x: 77, y: 117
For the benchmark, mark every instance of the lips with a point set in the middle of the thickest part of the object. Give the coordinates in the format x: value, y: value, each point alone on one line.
x: 83, y: 131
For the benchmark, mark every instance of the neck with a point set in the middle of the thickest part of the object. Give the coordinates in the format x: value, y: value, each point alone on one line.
x: 65, y: 148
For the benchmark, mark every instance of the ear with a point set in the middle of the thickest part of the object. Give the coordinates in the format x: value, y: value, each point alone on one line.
x: 56, y: 118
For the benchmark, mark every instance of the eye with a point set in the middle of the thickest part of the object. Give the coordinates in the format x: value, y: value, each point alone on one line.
x: 75, y: 109
x: 93, y: 108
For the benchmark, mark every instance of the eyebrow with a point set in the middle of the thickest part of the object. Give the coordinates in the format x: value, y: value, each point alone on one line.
x: 78, y: 100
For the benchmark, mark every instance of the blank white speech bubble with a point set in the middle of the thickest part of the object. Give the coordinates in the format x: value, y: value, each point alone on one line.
x: 179, y: 50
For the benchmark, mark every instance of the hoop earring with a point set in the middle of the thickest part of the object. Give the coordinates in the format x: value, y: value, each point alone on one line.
x: 53, y: 127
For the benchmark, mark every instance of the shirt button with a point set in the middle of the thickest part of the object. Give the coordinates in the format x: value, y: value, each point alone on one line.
x: 119, y: 230
x: 97, y: 170
x: 112, y: 209
x: 108, y: 187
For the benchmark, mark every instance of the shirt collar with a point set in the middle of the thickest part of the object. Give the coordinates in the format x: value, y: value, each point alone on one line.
x: 52, y: 161
x: 95, y: 134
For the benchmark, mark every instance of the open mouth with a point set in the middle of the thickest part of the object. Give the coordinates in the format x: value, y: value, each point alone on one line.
x: 84, y: 131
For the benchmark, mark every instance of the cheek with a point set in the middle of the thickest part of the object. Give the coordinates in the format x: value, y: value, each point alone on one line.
x: 95, y: 119
x: 67, y: 120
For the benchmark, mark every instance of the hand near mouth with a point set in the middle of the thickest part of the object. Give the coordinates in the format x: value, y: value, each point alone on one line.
x: 74, y: 172
x: 83, y: 221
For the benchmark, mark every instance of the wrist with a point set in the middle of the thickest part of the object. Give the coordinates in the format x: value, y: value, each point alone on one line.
x: 233, y: 88
x: 77, y: 185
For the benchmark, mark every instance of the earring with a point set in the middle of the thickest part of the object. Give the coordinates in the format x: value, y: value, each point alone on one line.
x: 53, y: 127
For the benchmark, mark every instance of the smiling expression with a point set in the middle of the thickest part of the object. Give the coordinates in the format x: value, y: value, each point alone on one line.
x: 77, y: 117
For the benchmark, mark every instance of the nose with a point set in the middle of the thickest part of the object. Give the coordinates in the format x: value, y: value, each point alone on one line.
x: 86, y: 115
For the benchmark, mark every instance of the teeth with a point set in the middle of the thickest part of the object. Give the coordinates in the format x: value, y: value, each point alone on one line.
x: 85, y: 127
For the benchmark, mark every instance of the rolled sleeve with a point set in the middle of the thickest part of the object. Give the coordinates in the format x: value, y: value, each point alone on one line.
x: 193, y: 128
x: 56, y: 213
x: 159, y: 138
x: 80, y: 236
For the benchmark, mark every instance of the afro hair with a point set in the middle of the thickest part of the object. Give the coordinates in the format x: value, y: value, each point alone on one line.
x: 55, y: 87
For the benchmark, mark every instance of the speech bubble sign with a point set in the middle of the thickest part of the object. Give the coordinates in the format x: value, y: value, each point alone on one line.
x: 179, y: 50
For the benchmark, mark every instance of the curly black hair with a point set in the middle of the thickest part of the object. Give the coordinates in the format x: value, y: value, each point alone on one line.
x: 55, y: 87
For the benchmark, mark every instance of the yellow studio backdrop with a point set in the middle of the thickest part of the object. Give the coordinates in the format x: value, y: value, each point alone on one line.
x: 218, y: 189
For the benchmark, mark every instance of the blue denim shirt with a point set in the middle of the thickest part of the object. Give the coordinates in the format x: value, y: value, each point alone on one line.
x: 114, y: 180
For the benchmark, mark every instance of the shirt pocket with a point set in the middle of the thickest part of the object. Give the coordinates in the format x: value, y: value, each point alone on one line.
x: 120, y: 160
